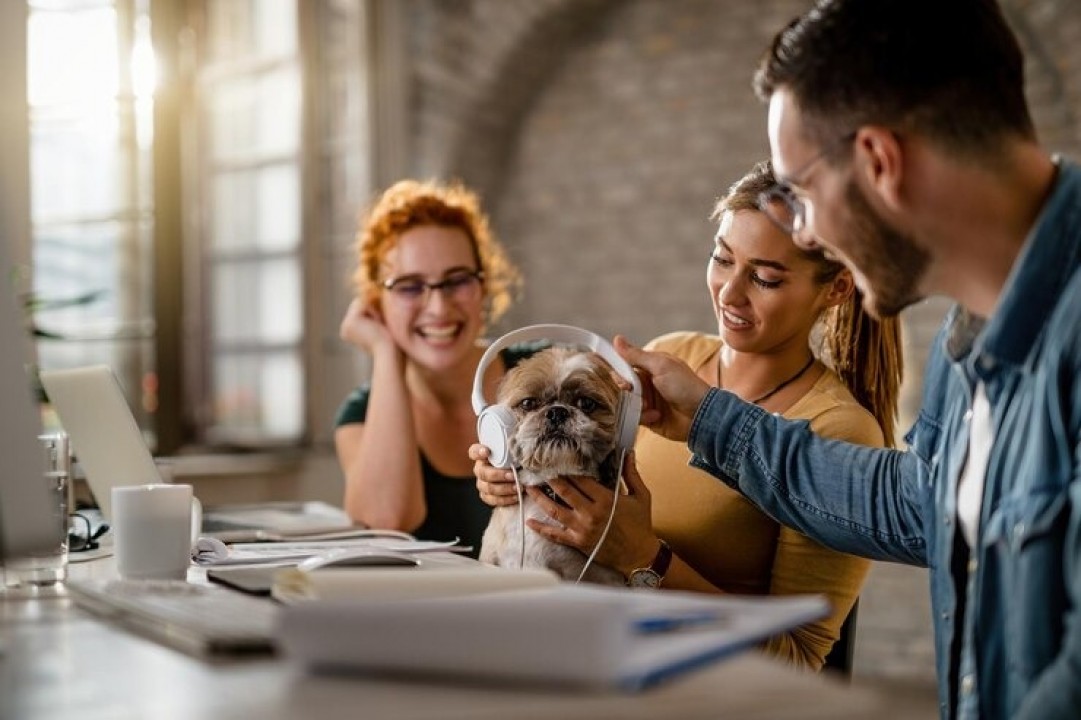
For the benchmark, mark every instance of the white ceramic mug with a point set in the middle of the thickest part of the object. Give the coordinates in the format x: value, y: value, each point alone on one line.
x: 155, y: 526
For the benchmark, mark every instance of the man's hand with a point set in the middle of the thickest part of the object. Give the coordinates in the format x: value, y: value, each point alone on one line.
x: 495, y: 485
x: 671, y: 391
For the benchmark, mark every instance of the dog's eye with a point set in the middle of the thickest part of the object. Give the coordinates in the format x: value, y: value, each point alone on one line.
x: 528, y: 404
x: 586, y: 404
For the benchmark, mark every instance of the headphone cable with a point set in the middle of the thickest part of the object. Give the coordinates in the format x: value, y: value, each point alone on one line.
x: 521, y: 516
x: 607, y: 525
x: 600, y: 541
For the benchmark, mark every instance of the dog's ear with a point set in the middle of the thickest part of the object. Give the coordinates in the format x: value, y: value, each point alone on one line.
x: 608, y: 472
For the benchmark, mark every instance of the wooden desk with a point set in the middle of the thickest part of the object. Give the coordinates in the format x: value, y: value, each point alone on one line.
x: 56, y: 661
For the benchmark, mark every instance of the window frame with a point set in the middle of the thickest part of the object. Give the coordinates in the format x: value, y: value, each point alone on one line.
x: 184, y: 343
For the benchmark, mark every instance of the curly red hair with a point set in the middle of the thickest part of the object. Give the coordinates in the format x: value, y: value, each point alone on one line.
x: 410, y: 203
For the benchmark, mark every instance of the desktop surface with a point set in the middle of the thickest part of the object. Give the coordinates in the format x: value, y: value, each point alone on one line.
x: 57, y: 661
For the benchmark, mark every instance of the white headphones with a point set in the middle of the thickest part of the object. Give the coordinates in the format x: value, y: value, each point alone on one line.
x: 496, y: 423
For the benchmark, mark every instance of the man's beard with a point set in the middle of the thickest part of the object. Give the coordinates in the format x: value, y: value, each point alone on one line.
x: 890, y: 262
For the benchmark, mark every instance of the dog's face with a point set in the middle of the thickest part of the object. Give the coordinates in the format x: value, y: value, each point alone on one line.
x: 567, y: 404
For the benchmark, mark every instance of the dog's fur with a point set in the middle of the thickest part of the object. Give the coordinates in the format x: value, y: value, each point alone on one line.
x: 567, y: 405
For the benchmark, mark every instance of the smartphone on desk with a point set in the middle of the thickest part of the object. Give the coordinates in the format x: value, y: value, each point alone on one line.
x: 253, y: 580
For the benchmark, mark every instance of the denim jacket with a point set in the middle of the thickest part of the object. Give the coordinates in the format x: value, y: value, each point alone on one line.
x: 1006, y: 616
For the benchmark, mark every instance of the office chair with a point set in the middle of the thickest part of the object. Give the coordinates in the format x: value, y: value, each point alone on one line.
x: 839, y: 659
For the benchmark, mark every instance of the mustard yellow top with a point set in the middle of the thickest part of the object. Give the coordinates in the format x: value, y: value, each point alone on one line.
x: 734, y: 545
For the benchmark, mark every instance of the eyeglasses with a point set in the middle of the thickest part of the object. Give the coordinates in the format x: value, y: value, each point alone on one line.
x: 783, y: 206
x: 458, y: 285
x: 81, y: 535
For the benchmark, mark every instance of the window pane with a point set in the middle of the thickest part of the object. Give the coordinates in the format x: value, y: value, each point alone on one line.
x: 245, y: 28
x: 255, y: 116
x: 274, y: 27
x: 72, y: 85
x: 74, y: 260
x: 91, y: 201
x: 257, y: 301
x: 278, y: 111
x: 278, y: 203
x: 232, y: 212
x: 256, y: 210
x: 232, y: 116
x: 258, y: 397
x: 75, y: 166
x: 72, y: 57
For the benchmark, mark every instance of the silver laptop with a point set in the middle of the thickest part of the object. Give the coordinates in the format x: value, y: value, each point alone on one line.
x: 110, y: 447
x: 103, y: 432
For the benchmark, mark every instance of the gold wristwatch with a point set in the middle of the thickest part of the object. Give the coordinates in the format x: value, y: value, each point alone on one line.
x: 652, y: 576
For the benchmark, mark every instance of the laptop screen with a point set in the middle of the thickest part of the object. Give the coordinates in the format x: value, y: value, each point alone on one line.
x: 104, y: 435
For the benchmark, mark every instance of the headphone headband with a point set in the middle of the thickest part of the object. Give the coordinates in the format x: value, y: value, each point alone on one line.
x: 565, y: 334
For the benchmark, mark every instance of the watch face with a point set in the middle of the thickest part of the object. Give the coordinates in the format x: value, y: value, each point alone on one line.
x: 644, y: 577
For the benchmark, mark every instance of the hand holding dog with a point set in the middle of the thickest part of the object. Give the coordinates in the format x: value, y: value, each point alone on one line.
x: 495, y: 485
x: 671, y: 391
x: 630, y: 543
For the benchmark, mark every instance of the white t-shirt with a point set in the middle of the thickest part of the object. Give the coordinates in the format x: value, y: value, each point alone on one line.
x: 970, y: 486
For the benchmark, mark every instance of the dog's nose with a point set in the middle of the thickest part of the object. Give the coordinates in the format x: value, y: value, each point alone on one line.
x: 556, y: 415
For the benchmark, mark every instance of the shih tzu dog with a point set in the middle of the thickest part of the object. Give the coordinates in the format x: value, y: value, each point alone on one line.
x: 566, y: 403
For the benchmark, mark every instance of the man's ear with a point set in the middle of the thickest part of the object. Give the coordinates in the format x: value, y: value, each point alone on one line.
x: 881, y: 156
x: 841, y: 288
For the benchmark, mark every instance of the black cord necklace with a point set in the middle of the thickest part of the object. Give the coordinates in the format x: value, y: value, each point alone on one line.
x: 778, y: 388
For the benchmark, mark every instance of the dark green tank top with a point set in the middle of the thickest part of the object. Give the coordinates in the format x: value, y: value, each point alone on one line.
x: 455, y: 510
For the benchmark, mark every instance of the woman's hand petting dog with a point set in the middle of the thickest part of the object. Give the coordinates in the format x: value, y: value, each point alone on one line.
x: 495, y: 485
x: 630, y: 543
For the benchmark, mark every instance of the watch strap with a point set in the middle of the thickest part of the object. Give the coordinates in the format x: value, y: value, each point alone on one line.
x: 653, y: 574
x: 662, y: 560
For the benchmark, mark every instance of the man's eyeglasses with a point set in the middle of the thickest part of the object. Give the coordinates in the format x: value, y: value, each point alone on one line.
x: 459, y: 285
x: 783, y: 206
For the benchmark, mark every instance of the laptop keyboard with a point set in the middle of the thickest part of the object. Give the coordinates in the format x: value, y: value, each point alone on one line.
x: 200, y: 619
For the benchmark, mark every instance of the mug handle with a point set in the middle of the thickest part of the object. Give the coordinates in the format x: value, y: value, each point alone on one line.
x: 196, y: 518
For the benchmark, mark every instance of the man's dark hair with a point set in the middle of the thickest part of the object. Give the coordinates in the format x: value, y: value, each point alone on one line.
x: 950, y: 69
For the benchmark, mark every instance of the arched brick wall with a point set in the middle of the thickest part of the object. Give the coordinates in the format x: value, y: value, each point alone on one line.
x: 478, y: 66
x: 601, y: 132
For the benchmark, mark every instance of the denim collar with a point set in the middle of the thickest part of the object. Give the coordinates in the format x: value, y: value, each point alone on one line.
x: 1051, y: 253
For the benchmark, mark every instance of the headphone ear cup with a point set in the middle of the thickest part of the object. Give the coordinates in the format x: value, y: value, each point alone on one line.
x: 495, y: 425
x: 629, y: 414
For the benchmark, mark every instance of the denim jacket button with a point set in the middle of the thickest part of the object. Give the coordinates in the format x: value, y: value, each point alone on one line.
x: 968, y: 684
x: 973, y: 564
x: 968, y: 415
